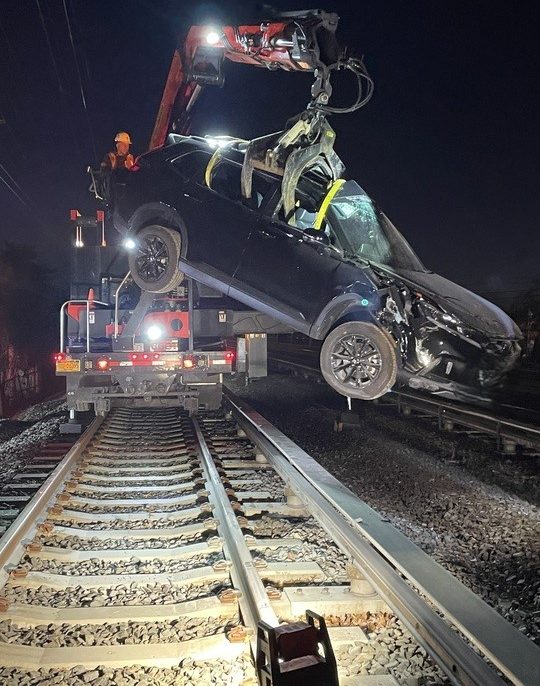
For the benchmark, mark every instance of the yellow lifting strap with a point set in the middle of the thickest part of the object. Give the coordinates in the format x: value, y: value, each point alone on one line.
x: 321, y: 214
x: 210, y: 167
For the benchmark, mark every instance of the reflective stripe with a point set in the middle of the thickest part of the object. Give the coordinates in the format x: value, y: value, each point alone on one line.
x: 210, y: 167
x: 321, y: 214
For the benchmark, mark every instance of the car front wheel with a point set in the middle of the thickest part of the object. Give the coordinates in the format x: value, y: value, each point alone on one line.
x: 154, y: 260
x: 359, y: 360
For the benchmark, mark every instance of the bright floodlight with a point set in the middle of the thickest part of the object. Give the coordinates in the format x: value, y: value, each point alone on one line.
x: 212, y: 37
x: 154, y: 332
x: 79, y: 243
x: 218, y: 141
x: 129, y: 244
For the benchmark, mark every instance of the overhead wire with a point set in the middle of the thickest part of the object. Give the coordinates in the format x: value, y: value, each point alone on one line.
x: 49, y: 46
x: 10, y: 177
x: 12, y: 190
x: 79, y: 75
x: 61, y: 88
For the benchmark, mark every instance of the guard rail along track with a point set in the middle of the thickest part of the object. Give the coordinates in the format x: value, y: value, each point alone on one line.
x: 166, y: 549
x: 509, y: 433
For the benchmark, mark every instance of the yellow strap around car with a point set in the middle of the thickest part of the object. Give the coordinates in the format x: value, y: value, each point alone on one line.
x: 332, y: 191
x: 210, y: 167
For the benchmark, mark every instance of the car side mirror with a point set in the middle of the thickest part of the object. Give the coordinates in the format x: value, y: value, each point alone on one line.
x: 317, y: 235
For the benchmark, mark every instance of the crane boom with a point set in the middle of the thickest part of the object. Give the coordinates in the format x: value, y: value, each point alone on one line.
x: 296, y: 41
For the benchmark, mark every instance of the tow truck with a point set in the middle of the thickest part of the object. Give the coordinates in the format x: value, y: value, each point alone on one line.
x: 123, y: 345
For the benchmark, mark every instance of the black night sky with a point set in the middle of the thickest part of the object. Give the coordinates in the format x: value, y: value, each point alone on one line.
x: 448, y: 145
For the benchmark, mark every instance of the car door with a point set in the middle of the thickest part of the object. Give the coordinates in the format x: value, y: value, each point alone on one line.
x: 287, y: 274
x: 218, y: 226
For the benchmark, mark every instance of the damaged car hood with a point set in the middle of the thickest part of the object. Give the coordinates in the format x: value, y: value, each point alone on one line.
x: 473, y: 310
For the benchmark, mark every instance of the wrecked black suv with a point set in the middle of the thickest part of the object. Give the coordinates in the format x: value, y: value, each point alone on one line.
x: 336, y: 269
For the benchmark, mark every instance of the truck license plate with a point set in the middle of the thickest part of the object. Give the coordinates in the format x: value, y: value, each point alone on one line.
x: 68, y: 366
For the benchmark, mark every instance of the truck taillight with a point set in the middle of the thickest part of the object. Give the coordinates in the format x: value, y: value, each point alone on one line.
x: 102, y: 364
x: 188, y: 362
x: 59, y: 357
x: 229, y: 356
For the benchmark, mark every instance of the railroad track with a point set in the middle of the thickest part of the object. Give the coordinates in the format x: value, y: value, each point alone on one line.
x: 160, y: 541
x: 20, y: 488
x: 511, y: 435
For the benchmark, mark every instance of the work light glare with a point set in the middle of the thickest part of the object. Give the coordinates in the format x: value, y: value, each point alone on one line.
x: 218, y: 141
x: 154, y: 332
x: 129, y: 244
x: 212, y: 37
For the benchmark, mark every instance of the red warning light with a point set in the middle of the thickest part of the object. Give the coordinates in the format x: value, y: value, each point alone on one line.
x: 229, y: 355
x: 102, y: 363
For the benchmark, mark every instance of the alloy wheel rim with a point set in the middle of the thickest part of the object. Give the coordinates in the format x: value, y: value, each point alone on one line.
x: 355, y: 361
x: 152, y: 259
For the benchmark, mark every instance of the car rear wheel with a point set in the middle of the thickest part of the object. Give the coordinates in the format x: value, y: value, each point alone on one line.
x: 359, y: 360
x: 154, y: 261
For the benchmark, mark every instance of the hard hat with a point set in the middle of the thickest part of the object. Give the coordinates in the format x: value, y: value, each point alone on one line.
x: 122, y: 137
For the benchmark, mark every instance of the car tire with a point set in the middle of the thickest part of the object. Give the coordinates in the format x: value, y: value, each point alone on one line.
x: 358, y: 360
x: 154, y: 261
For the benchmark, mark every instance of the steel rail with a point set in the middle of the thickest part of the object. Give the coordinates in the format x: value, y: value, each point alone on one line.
x: 254, y: 599
x: 12, y: 543
x: 485, y: 422
x: 385, y: 556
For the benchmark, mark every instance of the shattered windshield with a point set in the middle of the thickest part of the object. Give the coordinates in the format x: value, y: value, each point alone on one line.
x: 367, y: 233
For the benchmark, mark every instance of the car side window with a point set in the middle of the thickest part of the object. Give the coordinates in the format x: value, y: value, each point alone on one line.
x: 191, y: 164
x: 304, y: 217
x: 226, y: 180
x: 263, y: 189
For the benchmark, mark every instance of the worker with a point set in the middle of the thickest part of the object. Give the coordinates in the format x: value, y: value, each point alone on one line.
x: 120, y: 158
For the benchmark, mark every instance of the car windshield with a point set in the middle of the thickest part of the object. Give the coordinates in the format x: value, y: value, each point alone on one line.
x: 367, y: 233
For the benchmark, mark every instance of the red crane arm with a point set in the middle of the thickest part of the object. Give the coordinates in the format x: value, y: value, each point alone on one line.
x: 297, y: 42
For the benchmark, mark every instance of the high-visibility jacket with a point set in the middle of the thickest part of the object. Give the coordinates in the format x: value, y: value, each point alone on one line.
x: 113, y: 160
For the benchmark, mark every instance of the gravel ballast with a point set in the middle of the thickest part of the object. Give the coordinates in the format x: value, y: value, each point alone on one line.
x: 449, y: 494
